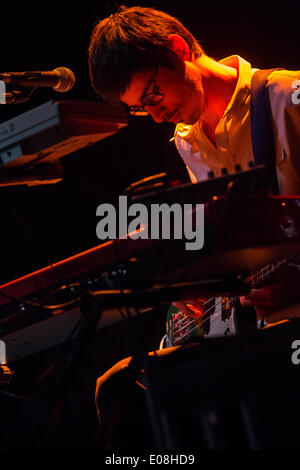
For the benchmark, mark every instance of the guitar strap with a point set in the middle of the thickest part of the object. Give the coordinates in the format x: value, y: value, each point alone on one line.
x: 262, y: 127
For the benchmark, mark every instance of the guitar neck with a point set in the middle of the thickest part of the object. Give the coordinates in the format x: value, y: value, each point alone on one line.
x: 263, y: 275
x: 258, y: 279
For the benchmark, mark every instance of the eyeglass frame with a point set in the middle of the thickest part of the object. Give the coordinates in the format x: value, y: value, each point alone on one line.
x: 140, y: 110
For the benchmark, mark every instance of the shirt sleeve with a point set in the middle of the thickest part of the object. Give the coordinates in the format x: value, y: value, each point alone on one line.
x: 284, y: 93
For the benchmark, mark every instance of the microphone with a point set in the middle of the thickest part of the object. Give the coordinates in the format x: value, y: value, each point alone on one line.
x: 60, y: 79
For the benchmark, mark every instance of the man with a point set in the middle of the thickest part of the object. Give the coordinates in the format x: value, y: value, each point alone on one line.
x: 150, y: 62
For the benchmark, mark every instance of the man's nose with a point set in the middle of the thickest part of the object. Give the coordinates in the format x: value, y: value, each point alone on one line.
x: 157, y: 112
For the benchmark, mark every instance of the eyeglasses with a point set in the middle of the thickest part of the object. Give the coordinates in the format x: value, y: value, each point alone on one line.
x: 150, y: 98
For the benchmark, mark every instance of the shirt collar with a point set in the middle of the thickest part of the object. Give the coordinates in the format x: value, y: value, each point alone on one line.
x: 243, y: 84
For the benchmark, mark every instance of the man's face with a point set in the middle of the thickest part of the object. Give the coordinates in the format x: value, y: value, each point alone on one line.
x: 182, y: 89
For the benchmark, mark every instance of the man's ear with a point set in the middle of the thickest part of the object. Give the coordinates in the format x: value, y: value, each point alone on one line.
x: 178, y: 45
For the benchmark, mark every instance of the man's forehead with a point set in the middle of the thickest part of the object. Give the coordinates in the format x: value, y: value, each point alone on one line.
x: 138, y: 85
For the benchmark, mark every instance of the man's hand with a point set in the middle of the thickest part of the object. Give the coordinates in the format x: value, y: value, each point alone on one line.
x: 270, y: 302
x: 264, y: 300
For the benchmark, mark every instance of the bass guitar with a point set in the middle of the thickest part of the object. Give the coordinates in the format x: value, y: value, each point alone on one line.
x: 218, y: 316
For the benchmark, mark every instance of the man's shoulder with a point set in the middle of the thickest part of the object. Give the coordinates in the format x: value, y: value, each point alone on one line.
x: 282, y: 80
x: 283, y: 74
x: 282, y: 85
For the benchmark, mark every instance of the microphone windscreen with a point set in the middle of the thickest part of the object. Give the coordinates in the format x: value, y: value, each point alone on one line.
x: 67, y: 79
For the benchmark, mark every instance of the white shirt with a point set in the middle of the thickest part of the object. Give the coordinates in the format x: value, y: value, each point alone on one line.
x: 233, y: 132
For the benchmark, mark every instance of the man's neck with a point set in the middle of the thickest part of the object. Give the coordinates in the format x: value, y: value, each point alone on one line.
x: 219, y: 82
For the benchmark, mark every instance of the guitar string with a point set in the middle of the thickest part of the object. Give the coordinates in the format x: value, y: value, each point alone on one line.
x: 268, y: 270
x: 212, y: 320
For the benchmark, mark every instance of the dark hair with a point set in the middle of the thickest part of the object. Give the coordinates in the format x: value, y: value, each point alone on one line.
x: 131, y: 40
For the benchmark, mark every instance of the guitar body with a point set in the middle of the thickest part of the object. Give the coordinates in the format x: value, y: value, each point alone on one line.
x: 220, y: 320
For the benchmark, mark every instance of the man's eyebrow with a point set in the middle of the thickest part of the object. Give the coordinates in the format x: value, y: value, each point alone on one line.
x: 147, y: 87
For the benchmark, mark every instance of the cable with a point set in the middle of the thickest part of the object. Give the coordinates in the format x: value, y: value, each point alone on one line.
x: 37, y: 305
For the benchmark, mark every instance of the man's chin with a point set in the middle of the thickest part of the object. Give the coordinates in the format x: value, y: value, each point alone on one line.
x: 190, y: 122
x: 192, y: 118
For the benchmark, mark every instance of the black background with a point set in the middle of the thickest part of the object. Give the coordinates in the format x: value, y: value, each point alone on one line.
x: 44, y: 224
